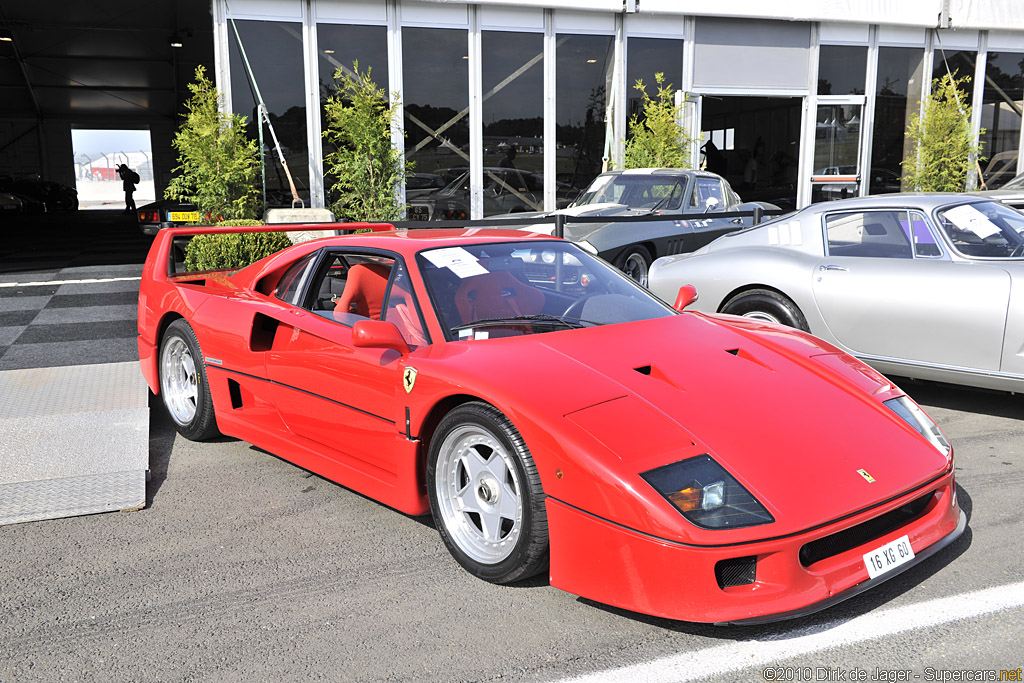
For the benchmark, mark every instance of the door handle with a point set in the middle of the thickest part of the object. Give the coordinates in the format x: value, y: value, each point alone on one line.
x: 832, y: 267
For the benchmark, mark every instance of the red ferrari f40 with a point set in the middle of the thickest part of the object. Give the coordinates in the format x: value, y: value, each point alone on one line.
x: 552, y: 415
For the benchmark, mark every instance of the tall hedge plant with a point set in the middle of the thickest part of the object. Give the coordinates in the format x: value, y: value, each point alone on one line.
x: 217, y: 163
x: 945, y: 148
x: 657, y: 140
x: 364, y: 168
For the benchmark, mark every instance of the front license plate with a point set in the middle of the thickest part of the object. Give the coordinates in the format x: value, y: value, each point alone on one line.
x: 183, y: 216
x: 888, y: 557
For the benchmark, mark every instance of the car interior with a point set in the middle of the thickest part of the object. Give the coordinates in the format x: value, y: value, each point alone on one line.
x: 353, y: 287
x: 874, y: 234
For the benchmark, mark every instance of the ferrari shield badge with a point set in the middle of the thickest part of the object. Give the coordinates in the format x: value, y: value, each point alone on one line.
x: 409, y: 379
x: 864, y: 473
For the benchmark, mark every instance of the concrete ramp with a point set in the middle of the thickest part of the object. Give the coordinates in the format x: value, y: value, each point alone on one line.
x: 73, y: 441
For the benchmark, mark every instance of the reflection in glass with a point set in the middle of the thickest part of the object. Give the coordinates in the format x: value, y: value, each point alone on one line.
x: 1001, y: 116
x: 897, y: 100
x: 842, y: 69
x: 644, y: 58
x: 583, y: 74
x: 436, y: 100
x: 340, y: 45
x: 836, y: 147
x: 274, y: 49
x: 513, y: 116
x: 505, y: 190
x: 960, y: 63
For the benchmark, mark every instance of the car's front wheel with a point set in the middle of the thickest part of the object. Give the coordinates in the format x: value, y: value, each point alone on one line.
x: 183, y: 383
x: 767, y: 305
x: 485, y: 495
x: 636, y: 263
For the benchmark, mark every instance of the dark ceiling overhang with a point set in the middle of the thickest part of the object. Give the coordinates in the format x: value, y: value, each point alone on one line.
x: 100, y: 61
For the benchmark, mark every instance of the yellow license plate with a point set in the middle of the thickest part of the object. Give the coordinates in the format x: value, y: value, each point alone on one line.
x: 184, y: 216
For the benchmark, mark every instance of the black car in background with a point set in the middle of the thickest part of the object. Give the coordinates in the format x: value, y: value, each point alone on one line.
x: 41, y: 195
x: 165, y: 213
x: 632, y: 247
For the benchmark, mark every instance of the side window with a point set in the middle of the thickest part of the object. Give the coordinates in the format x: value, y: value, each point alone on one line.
x: 705, y: 189
x: 350, y: 287
x: 872, y: 234
x: 403, y: 311
x: 290, y: 284
x: 925, y: 244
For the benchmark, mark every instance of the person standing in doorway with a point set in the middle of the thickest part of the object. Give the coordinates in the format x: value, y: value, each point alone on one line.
x: 751, y: 168
x: 128, y: 180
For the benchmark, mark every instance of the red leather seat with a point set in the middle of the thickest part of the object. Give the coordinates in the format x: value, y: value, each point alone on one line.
x: 496, y: 295
x: 365, y: 286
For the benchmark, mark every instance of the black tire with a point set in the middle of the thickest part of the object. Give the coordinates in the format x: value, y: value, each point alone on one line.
x: 184, y: 387
x: 478, y: 460
x: 635, y: 262
x: 764, y: 304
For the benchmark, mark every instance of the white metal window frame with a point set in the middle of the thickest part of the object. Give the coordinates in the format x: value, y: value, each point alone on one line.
x: 619, y: 151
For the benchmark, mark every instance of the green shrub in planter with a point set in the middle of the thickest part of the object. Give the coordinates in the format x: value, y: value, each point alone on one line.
x: 234, y: 250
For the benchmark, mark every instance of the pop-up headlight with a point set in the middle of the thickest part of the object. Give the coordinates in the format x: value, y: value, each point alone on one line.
x: 707, y: 495
x: 916, y: 418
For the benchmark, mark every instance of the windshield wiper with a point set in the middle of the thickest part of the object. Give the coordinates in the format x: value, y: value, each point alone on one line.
x: 540, y: 319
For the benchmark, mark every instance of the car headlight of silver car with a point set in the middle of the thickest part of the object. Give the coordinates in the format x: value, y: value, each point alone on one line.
x: 922, y: 424
x: 706, y: 494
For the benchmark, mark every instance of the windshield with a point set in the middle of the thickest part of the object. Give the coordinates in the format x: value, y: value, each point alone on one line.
x: 984, y: 229
x: 636, y: 191
x: 511, y: 288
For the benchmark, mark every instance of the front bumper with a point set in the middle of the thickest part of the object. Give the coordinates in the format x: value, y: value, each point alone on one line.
x: 600, y: 560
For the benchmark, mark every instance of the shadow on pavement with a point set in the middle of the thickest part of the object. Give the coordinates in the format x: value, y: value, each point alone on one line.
x: 967, y: 399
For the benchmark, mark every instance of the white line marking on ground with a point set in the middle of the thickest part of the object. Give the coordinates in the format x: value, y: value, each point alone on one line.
x: 87, y: 281
x: 745, y: 654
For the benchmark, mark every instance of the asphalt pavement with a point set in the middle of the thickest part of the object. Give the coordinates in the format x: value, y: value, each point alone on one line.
x: 243, y: 567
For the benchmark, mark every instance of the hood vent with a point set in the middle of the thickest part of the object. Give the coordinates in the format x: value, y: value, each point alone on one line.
x: 746, y: 355
x: 657, y: 373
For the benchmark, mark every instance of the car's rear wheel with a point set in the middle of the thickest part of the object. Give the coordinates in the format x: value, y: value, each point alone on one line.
x: 635, y: 262
x: 764, y: 304
x: 183, y: 383
x: 485, y: 495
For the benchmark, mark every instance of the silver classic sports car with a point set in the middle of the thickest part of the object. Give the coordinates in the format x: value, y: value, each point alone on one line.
x: 929, y: 286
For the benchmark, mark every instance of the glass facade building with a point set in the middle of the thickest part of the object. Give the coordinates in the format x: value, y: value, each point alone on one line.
x: 789, y: 111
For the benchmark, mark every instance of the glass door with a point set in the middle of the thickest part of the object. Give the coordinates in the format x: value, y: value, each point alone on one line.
x: 837, y: 143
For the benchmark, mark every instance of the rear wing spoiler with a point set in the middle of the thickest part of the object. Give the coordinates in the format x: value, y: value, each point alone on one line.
x: 170, y: 243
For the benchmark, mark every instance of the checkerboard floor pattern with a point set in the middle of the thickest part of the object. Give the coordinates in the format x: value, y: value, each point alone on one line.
x: 78, y: 323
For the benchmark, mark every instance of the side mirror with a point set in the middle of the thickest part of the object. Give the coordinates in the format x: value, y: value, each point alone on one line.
x: 710, y: 203
x: 687, y: 295
x: 378, y: 334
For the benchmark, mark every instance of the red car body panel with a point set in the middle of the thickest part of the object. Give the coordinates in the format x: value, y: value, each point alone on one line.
x: 792, y: 418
